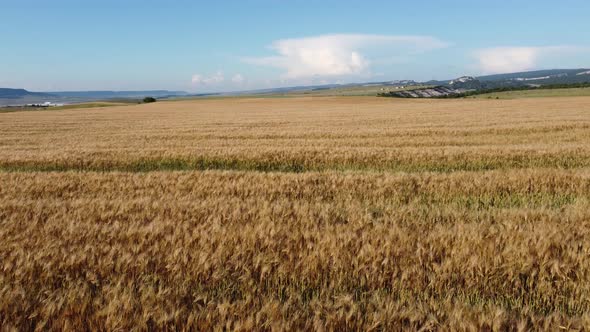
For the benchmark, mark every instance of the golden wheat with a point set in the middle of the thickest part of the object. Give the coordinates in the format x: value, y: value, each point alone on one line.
x: 297, y: 214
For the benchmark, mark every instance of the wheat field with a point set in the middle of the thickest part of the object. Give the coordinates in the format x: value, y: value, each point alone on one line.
x: 326, y: 213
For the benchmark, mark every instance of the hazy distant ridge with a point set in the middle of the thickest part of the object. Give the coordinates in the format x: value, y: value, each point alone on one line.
x: 508, y: 80
x: 20, y: 93
x: 119, y: 94
x: 21, y: 96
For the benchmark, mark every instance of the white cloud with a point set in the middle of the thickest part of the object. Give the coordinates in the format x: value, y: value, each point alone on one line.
x: 238, y: 79
x: 507, y: 59
x: 216, y: 78
x: 339, y: 54
x: 514, y: 59
x: 197, y: 78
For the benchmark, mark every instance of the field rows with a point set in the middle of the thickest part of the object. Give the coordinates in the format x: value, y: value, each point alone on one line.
x: 297, y: 214
x: 306, y: 245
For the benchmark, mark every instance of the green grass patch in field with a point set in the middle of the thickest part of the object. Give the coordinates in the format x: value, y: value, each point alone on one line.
x: 539, y: 93
x: 287, y: 165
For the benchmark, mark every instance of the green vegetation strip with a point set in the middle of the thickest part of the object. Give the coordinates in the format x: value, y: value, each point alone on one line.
x: 393, y: 94
x: 300, y: 166
x: 519, y: 88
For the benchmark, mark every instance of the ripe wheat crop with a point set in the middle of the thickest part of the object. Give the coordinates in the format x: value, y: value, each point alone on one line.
x: 297, y: 214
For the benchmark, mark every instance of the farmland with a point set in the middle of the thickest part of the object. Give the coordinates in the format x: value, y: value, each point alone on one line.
x: 302, y: 213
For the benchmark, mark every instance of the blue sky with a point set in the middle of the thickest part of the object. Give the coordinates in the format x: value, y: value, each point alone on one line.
x: 203, y: 46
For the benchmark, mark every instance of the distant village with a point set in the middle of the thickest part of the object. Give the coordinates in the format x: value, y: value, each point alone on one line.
x: 45, y: 104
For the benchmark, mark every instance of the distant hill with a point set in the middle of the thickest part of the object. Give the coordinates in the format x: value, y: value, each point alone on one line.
x: 536, y: 78
x: 459, y: 85
x: 20, y: 93
x: 539, y: 75
x: 286, y: 89
x: 118, y: 94
x: 14, y: 97
x: 529, y: 78
x: 466, y: 83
